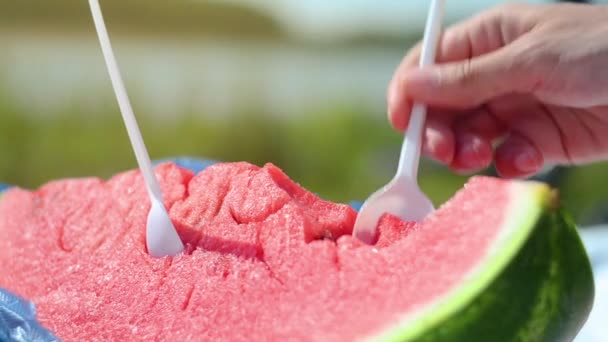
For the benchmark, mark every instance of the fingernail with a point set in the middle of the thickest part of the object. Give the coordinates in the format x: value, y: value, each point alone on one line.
x: 474, y: 153
x: 443, y: 156
x: 470, y: 156
x: 437, y: 147
x: 528, y: 161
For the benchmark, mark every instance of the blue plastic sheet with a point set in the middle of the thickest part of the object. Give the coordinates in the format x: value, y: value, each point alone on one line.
x: 196, y: 165
x: 18, y: 321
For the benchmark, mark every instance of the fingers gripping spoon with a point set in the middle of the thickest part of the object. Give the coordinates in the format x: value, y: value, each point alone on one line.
x: 402, y: 196
x: 161, y: 236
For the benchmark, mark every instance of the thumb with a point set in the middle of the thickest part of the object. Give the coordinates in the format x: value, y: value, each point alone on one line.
x: 468, y: 83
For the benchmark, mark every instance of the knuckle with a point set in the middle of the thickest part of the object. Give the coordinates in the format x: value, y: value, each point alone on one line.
x: 464, y: 74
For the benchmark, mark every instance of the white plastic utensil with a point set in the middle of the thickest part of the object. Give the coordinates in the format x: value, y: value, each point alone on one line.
x: 161, y: 236
x: 402, y: 196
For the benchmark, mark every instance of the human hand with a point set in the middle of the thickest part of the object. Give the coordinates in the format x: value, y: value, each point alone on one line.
x: 519, y: 85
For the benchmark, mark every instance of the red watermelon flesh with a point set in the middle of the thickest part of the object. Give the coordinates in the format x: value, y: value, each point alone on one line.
x: 265, y: 259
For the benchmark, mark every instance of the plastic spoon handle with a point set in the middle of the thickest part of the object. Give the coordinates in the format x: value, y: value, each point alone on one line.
x: 410, y: 150
x: 161, y: 237
x: 141, y: 154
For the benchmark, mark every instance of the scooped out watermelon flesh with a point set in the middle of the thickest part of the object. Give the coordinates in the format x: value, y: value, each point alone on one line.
x: 268, y: 260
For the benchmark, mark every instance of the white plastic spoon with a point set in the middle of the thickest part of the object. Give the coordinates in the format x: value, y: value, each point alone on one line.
x: 161, y: 236
x: 402, y: 196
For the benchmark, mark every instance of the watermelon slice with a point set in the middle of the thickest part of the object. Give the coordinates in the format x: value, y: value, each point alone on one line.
x: 268, y: 260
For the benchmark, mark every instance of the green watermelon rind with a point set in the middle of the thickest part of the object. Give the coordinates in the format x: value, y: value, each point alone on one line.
x: 536, y: 283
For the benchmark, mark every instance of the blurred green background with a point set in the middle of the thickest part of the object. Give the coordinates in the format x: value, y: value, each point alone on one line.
x: 300, y: 84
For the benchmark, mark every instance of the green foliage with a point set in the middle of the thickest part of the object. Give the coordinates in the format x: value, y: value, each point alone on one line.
x: 340, y: 152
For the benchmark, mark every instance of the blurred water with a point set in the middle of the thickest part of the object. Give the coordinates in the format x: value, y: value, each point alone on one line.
x: 43, y: 73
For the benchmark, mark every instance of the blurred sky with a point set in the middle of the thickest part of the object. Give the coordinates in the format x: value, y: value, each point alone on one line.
x: 322, y: 19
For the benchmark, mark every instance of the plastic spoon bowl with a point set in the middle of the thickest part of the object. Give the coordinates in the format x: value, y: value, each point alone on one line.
x: 161, y: 236
x: 402, y: 196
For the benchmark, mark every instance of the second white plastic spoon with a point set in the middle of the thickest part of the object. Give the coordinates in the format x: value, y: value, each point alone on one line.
x: 402, y: 196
